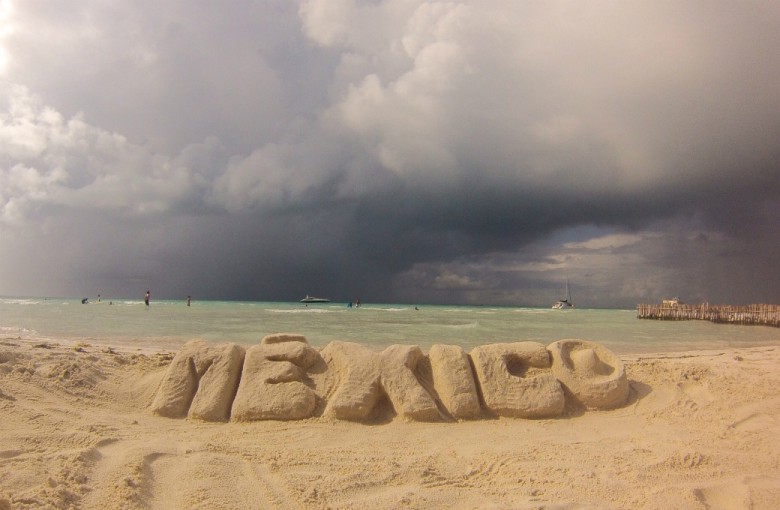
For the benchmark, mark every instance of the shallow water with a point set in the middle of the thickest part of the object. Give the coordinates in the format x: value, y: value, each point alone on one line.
x: 168, y: 324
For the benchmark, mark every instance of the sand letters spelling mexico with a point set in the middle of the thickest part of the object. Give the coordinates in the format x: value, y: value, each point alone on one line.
x: 283, y: 378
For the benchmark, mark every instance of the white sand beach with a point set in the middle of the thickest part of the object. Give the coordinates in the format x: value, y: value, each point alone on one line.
x: 700, y: 430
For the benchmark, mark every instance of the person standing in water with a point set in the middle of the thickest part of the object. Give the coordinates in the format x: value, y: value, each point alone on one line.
x: 189, y: 300
x: 146, y: 298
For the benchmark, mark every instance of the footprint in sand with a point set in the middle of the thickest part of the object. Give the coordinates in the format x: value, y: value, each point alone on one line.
x: 698, y: 392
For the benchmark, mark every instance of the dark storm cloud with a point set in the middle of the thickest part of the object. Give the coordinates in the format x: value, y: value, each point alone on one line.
x: 461, y: 151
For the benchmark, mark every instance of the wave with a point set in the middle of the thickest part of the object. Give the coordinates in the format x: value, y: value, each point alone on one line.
x: 17, y: 301
x: 304, y: 310
x: 469, y: 325
x: 16, y: 330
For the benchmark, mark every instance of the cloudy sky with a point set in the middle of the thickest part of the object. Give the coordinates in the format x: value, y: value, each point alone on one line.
x: 477, y: 152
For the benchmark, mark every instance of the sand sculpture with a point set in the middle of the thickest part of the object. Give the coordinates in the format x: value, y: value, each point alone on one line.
x: 455, y: 384
x: 590, y: 373
x: 516, y: 380
x: 200, y: 382
x: 364, y: 377
x: 273, y: 383
x: 283, y: 378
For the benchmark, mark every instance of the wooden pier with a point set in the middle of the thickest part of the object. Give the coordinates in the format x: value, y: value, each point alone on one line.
x: 760, y: 315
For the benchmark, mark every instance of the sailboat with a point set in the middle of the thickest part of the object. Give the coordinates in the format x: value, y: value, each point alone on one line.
x: 566, y: 302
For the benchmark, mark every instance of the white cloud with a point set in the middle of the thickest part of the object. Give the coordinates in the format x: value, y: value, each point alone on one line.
x: 51, y: 162
x: 6, y: 28
x: 329, y: 22
x: 607, y: 242
x: 448, y: 280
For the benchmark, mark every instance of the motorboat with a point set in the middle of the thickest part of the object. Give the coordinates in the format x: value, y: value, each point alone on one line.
x: 310, y: 299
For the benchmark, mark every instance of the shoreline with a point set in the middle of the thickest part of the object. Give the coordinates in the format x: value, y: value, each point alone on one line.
x: 699, y: 431
x: 128, y: 348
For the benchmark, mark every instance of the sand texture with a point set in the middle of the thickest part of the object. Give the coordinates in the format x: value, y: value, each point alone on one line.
x: 99, y: 427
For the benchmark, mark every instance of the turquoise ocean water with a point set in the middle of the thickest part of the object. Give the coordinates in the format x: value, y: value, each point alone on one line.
x: 168, y: 324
